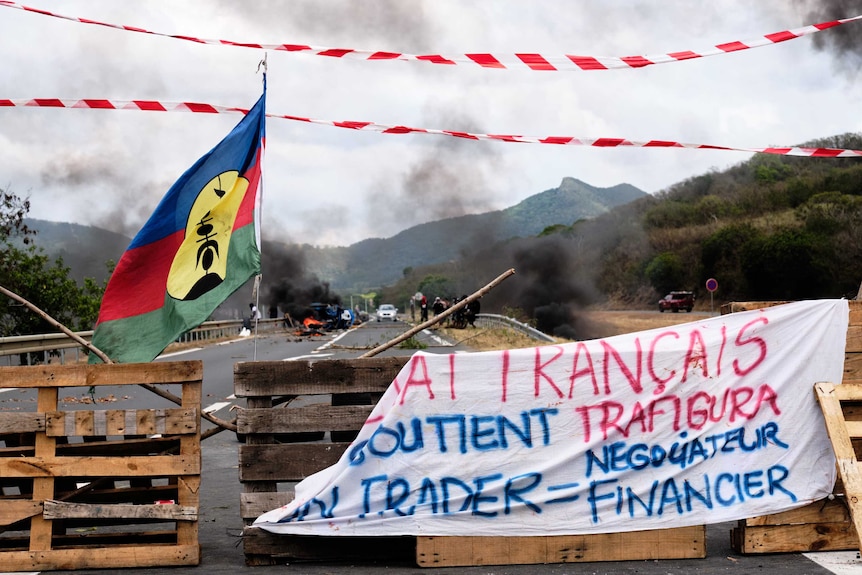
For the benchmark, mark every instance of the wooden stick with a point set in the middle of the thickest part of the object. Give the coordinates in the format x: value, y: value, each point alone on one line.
x: 57, y: 324
x: 104, y: 357
x: 411, y: 332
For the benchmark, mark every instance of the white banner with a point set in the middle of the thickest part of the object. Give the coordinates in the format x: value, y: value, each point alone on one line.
x: 703, y: 422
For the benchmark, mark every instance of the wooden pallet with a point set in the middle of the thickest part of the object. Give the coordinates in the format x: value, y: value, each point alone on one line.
x: 276, y: 454
x: 824, y: 525
x: 96, y: 489
x: 841, y: 405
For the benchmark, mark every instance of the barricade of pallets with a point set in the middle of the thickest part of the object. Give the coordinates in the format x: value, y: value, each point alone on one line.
x: 300, y: 417
x: 823, y: 525
x: 84, y: 488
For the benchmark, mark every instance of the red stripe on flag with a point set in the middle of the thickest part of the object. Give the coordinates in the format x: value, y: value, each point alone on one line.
x: 336, y: 52
x: 149, y: 105
x: 130, y: 293
x: 486, y: 60
x: 536, y: 62
x: 98, y: 104
x: 203, y: 108
x: 47, y: 102
x: 686, y: 55
x: 636, y: 61
x: 385, y: 56
x: 245, y: 212
x: 435, y: 59
x: 732, y: 47
x: 781, y: 36
x: 587, y: 63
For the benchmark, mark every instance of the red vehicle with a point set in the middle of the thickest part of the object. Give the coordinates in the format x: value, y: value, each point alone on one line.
x: 676, y: 301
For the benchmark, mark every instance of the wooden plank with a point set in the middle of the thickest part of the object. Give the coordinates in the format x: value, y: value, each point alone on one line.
x: 286, y: 462
x: 823, y: 511
x: 112, y: 557
x: 253, y: 505
x: 852, y: 367
x: 171, y: 421
x: 271, y: 378
x: 830, y: 397
x: 257, y: 542
x: 796, y: 538
x: 15, y: 510
x: 854, y: 338
x: 677, y: 543
x: 43, y: 488
x: 64, y: 510
x: 317, y: 417
x: 188, y: 486
x: 137, y: 466
x: 14, y: 422
x: 78, y: 375
x: 844, y: 392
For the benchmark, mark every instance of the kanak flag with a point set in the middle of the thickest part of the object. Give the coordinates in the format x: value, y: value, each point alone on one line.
x: 200, y: 245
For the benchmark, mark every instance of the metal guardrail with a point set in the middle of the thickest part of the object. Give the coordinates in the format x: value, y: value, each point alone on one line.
x: 20, y: 347
x: 494, y: 320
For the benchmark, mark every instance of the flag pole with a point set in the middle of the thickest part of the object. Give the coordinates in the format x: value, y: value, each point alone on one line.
x: 258, y: 218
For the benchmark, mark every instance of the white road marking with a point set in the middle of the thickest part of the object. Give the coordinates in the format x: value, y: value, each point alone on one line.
x: 309, y: 356
x: 181, y: 352
x: 329, y: 343
x: 216, y: 406
x: 2, y: 389
x: 839, y: 562
x: 436, y: 338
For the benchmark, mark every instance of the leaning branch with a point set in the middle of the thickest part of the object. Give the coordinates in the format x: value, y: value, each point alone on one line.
x: 104, y: 357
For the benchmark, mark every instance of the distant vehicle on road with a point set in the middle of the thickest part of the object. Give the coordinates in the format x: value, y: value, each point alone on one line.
x: 676, y: 301
x: 387, y: 311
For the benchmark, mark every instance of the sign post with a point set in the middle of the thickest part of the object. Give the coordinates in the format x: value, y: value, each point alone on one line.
x: 711, y: 285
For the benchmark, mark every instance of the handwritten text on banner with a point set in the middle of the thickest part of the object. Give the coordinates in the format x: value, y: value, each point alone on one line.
x: 703, y: 422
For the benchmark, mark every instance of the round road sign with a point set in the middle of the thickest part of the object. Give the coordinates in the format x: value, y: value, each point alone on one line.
x: 711, y: 284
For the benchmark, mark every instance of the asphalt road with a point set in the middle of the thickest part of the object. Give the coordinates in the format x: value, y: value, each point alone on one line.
x: 220, y: 524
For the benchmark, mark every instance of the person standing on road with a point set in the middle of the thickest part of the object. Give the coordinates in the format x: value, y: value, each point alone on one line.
x: 255, y: 313
x: 423, y: 305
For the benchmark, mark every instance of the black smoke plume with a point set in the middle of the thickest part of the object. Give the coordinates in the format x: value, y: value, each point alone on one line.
x: 286, y: 285
x: 843, y: 42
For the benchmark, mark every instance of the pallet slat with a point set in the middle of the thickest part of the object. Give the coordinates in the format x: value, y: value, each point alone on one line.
x: 64, y: 483
x: 265, y: 465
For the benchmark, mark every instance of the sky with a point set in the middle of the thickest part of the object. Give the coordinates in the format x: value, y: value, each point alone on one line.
x: 330, y: 186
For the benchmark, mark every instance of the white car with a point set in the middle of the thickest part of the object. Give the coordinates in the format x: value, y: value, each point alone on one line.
x: 387, y: 311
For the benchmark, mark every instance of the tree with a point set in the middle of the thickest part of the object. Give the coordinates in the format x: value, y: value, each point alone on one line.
x: 28, y: 272
x: 665, y: 272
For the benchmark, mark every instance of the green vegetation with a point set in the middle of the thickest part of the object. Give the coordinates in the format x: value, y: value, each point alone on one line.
x: 773, y: 227
x: 29, y: 273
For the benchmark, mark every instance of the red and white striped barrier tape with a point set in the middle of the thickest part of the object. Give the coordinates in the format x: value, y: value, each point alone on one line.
x: 506, y: 61
x: 157, y: 106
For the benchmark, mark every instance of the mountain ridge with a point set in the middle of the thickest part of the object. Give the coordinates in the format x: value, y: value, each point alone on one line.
x: 371, y: 262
